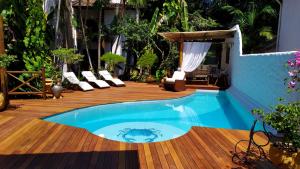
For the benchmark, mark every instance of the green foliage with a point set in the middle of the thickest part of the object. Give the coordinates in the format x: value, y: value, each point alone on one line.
x: 175, y: 12
x: 36, y: 50
x: 134, y: 75
x: 255, y: 20
x: 286, y: 120
x: 112, y: 59
x: 13, y: 12
x: 147, y: 59
x: 137, y: 3
x: 68, y: 55
x: 6, y: 60
x: 160, y: 74
x: 199, y: 23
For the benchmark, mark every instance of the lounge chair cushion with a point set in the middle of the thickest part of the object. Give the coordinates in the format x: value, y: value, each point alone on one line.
x: 92, y: 78
x: 70, y: 76
x: 106, y: 75
x: 101, y: 83
x: 178, y: 75
x: 170, y: 80
x: 85, y: 86
x: 89, y: 75
x: 117, y: 81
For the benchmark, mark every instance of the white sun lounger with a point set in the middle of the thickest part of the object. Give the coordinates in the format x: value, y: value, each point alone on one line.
x: 70, y: 76
x: 90, y: 77
x: 112, y: 81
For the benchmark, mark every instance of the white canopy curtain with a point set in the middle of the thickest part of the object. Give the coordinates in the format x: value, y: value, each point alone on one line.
x: 193, y: 55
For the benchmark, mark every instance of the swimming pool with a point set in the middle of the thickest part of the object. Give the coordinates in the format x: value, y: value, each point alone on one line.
x: 153, y: 121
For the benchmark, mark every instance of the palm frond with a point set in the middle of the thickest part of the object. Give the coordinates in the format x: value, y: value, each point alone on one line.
x: 266, y: 32
x: 269, y: 10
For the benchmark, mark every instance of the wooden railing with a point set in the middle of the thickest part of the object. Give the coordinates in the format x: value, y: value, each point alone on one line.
x: 40, y: 75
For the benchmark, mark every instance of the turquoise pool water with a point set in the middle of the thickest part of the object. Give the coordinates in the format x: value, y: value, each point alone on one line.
x: 153, y: 121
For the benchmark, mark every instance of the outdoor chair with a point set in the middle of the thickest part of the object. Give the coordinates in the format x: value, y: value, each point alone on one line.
x: 176, y: 83
x: 91, y: 78
x: 70, y: 76
x: 202, y: 75
x: 110, y: 80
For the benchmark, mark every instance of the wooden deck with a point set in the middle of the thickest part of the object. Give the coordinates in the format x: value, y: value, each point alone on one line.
x: 29, y: 142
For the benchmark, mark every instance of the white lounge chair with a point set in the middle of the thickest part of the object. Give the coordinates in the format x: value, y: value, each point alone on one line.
x: 70, y: 76
x: 90, y: 77
x: 176, y: 83
x: 112, y: 81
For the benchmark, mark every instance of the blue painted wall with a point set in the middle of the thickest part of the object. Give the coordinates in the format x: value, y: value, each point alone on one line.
x: 258, y: 79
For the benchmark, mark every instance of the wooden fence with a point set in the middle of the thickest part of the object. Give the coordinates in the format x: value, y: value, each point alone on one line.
x: 40, y: 75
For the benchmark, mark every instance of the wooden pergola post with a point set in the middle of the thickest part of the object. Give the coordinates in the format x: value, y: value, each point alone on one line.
x: 181, y: 45
x: 2, y: 51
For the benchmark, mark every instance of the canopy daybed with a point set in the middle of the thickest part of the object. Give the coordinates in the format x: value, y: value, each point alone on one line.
x: 193, y: 47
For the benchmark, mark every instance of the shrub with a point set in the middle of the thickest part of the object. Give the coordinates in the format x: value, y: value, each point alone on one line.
x: 112, y: 59
x: 6, y: 60
x: 68, y: 55
x: 148, y: 59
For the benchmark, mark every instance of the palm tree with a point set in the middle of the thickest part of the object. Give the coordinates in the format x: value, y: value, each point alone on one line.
x: 252, y: 18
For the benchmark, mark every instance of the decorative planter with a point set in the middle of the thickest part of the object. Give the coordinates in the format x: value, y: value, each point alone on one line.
x: 283, y: 158
x: 56, y: 90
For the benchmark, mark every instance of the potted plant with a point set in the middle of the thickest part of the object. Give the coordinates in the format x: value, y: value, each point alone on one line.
x: 112, y: 60
x: 5, y: 61
x: 285, y: 119
x: 145, y: 62
x: 68, y: 57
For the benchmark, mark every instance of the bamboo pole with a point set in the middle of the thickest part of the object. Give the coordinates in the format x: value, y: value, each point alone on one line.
x: 2, y: 51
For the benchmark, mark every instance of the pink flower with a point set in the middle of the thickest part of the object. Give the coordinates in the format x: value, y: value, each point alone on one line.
x: 298, y: 61
x: 297, y: 54
x: 291, y: 63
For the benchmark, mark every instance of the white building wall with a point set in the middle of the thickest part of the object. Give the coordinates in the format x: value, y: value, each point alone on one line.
x: 258, y: 79
x: 289, y: 37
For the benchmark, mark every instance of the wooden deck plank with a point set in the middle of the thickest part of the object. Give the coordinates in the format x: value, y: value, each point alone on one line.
x: 29, y: 142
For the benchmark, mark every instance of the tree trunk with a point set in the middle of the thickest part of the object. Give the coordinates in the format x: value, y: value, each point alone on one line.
x: 2, y: 51
x: 57, y: 23
x: 137, y: 15
x: 85, y: 38
x: 99, y: 38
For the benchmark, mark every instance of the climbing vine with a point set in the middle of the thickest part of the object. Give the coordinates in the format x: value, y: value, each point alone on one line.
x: 36, y: 53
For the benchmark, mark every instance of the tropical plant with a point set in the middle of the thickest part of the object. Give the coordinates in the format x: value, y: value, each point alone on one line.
x: 199, y: 23
x: 137, y: 35
x: 6, y: 60
x: 137, y: 4
x: 83, y: 30
x: 160, y: 74
x: 253, y: 18
x: 68, y: 55
x: 147, y: 60
x: 285, y: 118
x: 14, y: 15
x: 99, y: 5
x: 112, y: 60
x: 36, y: 50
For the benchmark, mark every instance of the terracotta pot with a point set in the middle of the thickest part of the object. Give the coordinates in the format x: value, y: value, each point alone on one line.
x: 283, y: 158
